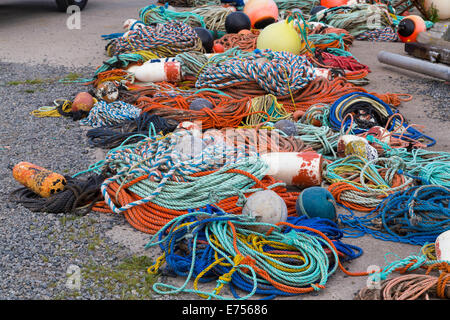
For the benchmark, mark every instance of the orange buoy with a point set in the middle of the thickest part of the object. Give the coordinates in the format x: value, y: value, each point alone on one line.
x: 333, y: 3
x: 410, y: 27
x: 303, y: 169
x: 40, y: 180
x: 261, y: 12
x: 83, y: 102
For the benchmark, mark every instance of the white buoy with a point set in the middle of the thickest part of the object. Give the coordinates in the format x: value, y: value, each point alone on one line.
x: 303, y: 169
x: 265, y: 206
x: 442, y: 246
x: 442, y: 7
x: 158, y: 70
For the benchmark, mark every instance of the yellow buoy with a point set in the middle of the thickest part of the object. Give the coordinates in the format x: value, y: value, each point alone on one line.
x: 280, y: 36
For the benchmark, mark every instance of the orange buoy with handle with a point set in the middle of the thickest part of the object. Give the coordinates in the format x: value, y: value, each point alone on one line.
x: 261, y: 12
x: 40, y: 180
x: 410, y: 27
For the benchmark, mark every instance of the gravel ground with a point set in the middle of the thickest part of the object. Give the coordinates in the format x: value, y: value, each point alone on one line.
x: 36, y: 249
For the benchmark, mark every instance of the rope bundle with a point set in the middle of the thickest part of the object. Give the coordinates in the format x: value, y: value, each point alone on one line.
x: 161, y: 178
x: 413, y: 286
x: 278, y: 73
x: 209, y: 17
x: 130, y: 131
x: 356, y: 19
x: 361, y: 184
x: 365, y: 111
x: 105, y: 114
x: 245, y: 42
x: 163, y: 40
x: 220, y: 247
x: 416, y: 216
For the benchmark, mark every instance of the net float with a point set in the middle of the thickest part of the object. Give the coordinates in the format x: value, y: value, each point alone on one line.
x: 409, y: 27
x: 261, y: 13
x: 442, y: 246
x: 333, y: 3
x: 38, y: 179
x: 267, y: 207
x: 237, y: 21
x: 280, y: 36
x: 158, y: 70
x: 355, y: 145
x: 107, y: 91
x: 302, y: 169
x: 316, y: 202
x: 83, y: 102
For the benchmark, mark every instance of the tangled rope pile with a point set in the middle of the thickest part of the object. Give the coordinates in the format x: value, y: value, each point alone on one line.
x: 277, y: 263
x: 163, y: 40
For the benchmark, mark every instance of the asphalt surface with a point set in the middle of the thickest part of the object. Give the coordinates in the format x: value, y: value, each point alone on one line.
x: 36, y: 250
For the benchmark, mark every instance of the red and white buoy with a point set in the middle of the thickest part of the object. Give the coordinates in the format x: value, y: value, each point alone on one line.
x: 158, y: 70
x: 303, y: 169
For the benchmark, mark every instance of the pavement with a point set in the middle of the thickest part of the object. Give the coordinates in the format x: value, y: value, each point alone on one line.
x: 33, y: 32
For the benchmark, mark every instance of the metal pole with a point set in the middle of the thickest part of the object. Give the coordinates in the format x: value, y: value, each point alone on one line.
x: 420, y: 66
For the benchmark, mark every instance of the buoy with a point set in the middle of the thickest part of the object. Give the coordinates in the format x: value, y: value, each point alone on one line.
x: 333, y: 3
x: 287, y: 126
x: 206, y: 37
x: 317, y: 9
x: 83, y: 102
x: 107, y: 91
x: 353, y: 145
x: 261, y: 13
x: 218, y: 48
x: 442, y: 7
x: 442, y: 246
x: 280, y: 36
x: 39, y: 180
x: 237, y: 21
x: 158, y: 70
x: 200, y: 103
x: 265, y: 206
x: 303, y: 169
x: 410, y: 27
x: 316, y: 202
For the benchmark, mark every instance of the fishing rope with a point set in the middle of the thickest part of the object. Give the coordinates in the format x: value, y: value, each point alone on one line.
x: 278, y: 73
x: 160, y: 178
x: 105, y: 114
x: 78, y: 194
x: 216, y: 243
x: 415, y: 216
x: 163, y: 40
x: 348, y: 177
x: 366, y: 111
x: 245, y: 41
x: 131, y: 130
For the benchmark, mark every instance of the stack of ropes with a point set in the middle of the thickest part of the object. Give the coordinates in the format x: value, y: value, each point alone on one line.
x: 191, y: 3
x: 210, y: 245
x: 244, y: 41
x: 362, y: 185
x: 415, y: 216
x: 278, y: 73
x: 263, y: 140
x: 130, y: 131
x: 209, y: 17
x: 432, y: 167
x: 355, y: 18
x: 365, y: 111
x: 105, y: 114
x: 411, y: 286
x: 227, y: 112
x: 161, y: 178
x: 163, y: 40
x: 78, y: 196
x: 304, y: 5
